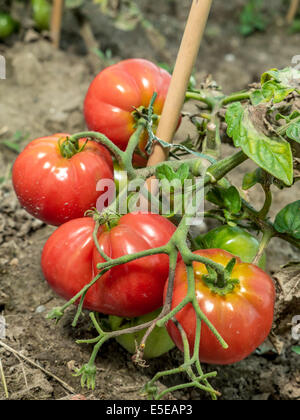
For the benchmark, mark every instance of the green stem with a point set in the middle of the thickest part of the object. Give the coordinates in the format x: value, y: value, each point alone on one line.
x: 242, y: 96
x: 220, y: 169
x: 201, y: 98
x: 102, y: 139
x: 268, y: 234
x: 282, y: 130
x: 132, y: 257
x: 267, y: 204
x: 95, y: 238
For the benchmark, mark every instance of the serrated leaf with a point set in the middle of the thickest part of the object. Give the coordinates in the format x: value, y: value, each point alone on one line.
x: 274, y: 155
x: 288, y: 220
x: 165, y: 172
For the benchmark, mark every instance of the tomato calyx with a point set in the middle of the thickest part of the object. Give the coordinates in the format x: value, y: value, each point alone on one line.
x: 142, y: 113
x: 221, y: 283
x: 69, y: 147
x: 108, y: 219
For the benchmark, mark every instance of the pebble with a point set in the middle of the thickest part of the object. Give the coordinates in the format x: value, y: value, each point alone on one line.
x: 40, y: 309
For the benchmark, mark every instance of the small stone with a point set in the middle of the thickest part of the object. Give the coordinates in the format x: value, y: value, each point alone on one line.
x: 40, y: 309
x: 14, y: 262
x: 230, y: 58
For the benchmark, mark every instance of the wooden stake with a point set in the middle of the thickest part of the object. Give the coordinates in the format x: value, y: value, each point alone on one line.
x: 56, y: 20
x: 183, y: 69
x: 292, y: 11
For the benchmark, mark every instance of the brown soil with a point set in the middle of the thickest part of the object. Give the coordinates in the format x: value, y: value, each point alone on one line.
x: 43, y: 94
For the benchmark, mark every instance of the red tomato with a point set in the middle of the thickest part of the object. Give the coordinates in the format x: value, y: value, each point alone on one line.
x: 56, y: 189
x: 67, y: 260
x: 243, y: 317
x: 135, y: 288
x: 116, y: 92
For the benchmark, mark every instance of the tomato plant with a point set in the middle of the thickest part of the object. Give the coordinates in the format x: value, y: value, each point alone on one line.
x: 158, y: 343
x: 7, y: 25
x: 41, y: 13
x: 135, y: 288
x: 55, y: 179
x: 248, y: 305
x: 212, y: 298
x: 120, y: 94
x: 235, y: 240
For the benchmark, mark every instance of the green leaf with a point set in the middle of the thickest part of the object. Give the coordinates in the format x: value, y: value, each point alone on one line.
x: 276, y: 91
x: 251, y: 179
x: 274, y: 155
x: 288, y: 220
x: 293, y: 132
x: 12, y: 146
x: 227, y: 198
x: 276, y: 85
x: 296, y: 349
x: 232, y: 200
x: 289, y: 77
x: 165, y: 172
x: 183, y: 172
x: 257, y: 97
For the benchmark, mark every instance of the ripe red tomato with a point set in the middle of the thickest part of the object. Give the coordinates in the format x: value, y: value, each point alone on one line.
x: 129, y: 290
x: 54, y: 188
x: 117, y: 91
x: 67, y: 260
x: 243, y: 317
x: 135, y: 288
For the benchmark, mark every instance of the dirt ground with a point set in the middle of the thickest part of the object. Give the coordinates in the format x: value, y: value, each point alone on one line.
x: 43, y: 94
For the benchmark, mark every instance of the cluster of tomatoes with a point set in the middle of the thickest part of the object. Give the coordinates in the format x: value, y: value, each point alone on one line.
x: 55, y: 180
x: 41, y: 14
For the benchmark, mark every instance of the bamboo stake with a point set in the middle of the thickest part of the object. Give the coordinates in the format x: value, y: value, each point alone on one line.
x: 292, y: 11
x: 56, y: 20
x: 186, y: 59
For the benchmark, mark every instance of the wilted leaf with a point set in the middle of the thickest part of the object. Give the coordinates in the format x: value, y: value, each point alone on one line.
x: 274, y: 155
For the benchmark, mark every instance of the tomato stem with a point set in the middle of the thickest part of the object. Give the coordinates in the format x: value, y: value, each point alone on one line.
x: 69, y: 147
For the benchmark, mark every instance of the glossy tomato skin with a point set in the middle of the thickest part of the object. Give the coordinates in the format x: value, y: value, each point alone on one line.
x: 67, y: 260
x: 7, y: 25
x: 55, y: 189
x: 41, y: 13
x: 235, y: 240
x: 117, y: 90
x: 243, y: 318
x: 135, y: 288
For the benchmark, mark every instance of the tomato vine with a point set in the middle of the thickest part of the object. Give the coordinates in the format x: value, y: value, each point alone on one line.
x: 243, y: 131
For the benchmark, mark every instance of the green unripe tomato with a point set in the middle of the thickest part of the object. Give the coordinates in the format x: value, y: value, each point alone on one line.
x: 158, y: 342
x: 235, y: 240
x: 7, y: 25
x: 41, y: 13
